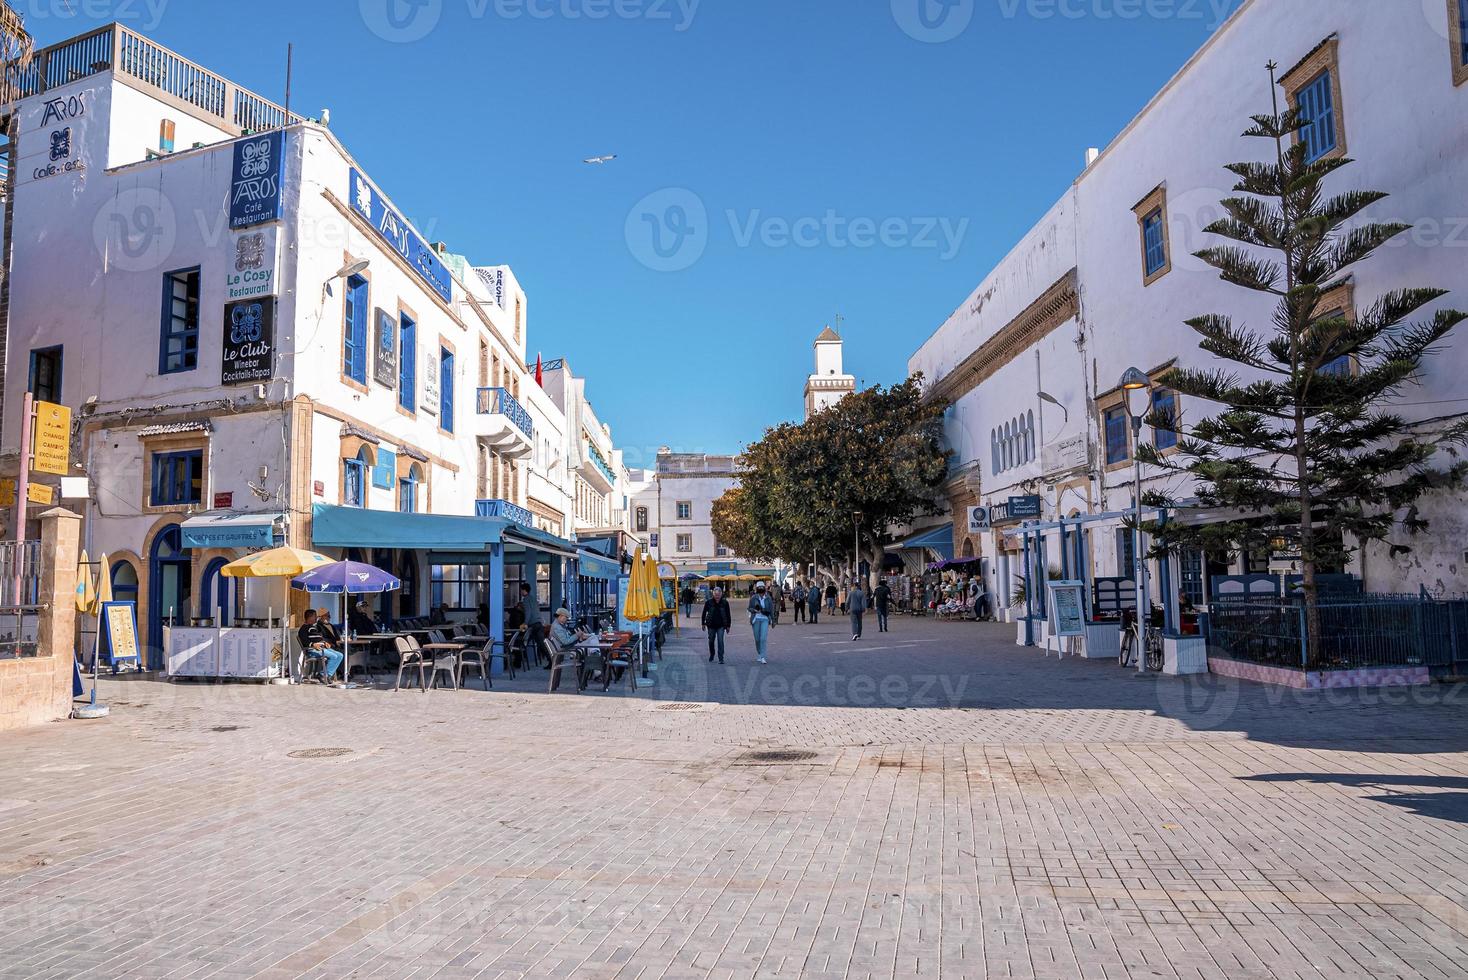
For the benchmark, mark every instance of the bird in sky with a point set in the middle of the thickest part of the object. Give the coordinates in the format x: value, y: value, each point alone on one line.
x: 602, y: 159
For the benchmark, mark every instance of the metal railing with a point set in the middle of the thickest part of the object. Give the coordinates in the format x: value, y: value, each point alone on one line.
x: 505, y: 509
x: 498, y: 401
x: 117, y: 47
x: 1364, y: 631
x: 600, y: 463
x: 20, y: 566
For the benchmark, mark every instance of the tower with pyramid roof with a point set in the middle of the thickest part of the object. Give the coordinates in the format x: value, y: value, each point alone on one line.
x: 829, y: 384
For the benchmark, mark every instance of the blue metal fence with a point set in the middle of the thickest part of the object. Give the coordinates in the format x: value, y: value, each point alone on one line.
x: 1363, y: 631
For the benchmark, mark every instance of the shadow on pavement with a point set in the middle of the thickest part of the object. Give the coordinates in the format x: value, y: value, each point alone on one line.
x: 1451, y: 806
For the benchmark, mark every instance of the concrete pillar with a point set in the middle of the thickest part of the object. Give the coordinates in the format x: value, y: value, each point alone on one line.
x: 35, y: 690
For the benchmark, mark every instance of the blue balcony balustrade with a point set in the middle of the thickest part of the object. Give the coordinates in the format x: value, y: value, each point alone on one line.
x: 498, y: 401
x: 505, y: 509
x: 601, y: 464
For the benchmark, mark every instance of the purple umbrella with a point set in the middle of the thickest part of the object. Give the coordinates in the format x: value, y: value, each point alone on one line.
x: 350, y: 577
x: 346, y: 578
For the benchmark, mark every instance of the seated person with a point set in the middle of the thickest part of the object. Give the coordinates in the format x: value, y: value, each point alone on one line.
x: 328, y: 629
x: 314, y: 644
x: 566, y: 635
x: 360, y: 621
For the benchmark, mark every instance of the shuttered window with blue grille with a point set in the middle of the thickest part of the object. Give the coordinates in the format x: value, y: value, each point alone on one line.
x: 1316, y: 103
x: 1154, y: 242
x: 354, y: 331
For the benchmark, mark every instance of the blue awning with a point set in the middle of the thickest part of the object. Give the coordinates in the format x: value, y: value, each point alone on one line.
x: 598, y: 566
x: 230, y: 531
x: 356, y: 527
x: 939, y: 539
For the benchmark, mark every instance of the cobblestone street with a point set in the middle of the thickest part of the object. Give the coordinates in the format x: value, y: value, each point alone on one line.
x: 932, y: 802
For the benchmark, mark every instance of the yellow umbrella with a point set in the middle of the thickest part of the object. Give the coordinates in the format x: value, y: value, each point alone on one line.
x: 276, y: 563
x: 86, y: 589
x: 104, y: 584
x: 643, y: 602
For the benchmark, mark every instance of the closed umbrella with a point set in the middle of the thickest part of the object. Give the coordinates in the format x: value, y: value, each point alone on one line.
x: 346, y: 578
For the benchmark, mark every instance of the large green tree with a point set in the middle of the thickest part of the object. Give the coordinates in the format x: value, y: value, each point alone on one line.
x: 877, y: 453
x: 1307, y: 445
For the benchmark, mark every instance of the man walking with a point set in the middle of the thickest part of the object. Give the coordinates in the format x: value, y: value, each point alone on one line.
x: 761, y: 620
x: 799, y: 598
x: 534, y: 625
x: 688, y: 596
x: 814, y: 598
x: 856, y: 605
x: 717, y: 618
x: 882, y: 599
x: 831, y: 599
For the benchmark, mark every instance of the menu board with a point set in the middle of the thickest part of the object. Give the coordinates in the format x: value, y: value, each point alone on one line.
x: 119, y: 632
x: 1068, y: 608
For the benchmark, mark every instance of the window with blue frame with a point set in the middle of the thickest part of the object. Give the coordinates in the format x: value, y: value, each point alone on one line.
x: 354, y: 480
x: 178, y: 478
x: 45, y: 378
x: 408, y: 491
x: 178, y: 345
x: 1117, y: 444
x: 1316, y: 103
x: 1339, y: 367
x: 1164, y: 404
x: 1154, y: 242
x: 1463, y: 33
x: 407, y: 363
x: 354, y: 330
x: 446, y: 389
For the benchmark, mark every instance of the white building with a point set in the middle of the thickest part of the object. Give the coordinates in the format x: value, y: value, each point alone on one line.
x: 596, y: 480
x: 261, y: 348
x: 829, y: 383
x: 672, y: 512
x: 1105, y: 280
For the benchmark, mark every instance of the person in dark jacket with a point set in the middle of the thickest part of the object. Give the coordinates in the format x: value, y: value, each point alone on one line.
x: 688, y: 596
x: 856, y: 605
x: 761, y: 620
x: 360, y: 621
x: 799, y: 598
x: 831, y: 594
x: 814, y: 598
x: 717, y: 618
x: 882, y: 600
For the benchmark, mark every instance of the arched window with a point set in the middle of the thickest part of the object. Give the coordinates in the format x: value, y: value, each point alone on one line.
x: 994, y: 450
x: 1008, y: 446
x: 1030, y: 428
x: 124, y: 581
x: 642, y: 519
x: 408, y: 490
x: 354, y: 479
x: 217, y: 594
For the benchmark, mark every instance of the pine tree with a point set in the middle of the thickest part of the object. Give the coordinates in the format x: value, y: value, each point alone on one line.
x: 1304, y: 448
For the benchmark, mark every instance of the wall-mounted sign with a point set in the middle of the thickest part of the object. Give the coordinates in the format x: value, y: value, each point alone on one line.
x: 249, y: 342
x: 1024, y: 508
x: 978, y: 519
x: 318, y: 487
x: 52, y: 445
x: 255, y: 189
x: 431, y: 370
x: 1067, y: 606
x: 253, y: 257
x: 223, y: 501
x: 62, y: 132
x: 385, y: 472
x: 385, y: 343
x: 39, y: 493
x: 393, y: 227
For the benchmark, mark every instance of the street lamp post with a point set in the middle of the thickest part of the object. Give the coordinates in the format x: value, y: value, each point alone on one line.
x: 856, y: 546
x: 1131, y: 382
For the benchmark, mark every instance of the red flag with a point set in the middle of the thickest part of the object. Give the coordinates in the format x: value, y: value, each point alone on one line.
x: 539, y: 372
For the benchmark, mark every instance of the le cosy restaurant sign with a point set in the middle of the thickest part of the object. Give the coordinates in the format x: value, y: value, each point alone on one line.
x: 394, y: 229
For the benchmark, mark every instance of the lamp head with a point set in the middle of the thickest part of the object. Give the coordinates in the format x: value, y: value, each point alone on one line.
x: 353, y: 268
x: 1134, y: 380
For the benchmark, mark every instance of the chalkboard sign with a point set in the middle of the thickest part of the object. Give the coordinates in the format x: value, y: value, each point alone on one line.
x: 119, y: 633
x: 1067, y: 606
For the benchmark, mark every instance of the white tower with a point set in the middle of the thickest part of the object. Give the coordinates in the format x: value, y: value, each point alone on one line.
x: 829, y: 384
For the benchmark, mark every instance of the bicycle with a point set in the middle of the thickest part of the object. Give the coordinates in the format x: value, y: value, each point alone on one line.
x: 1150, y: 642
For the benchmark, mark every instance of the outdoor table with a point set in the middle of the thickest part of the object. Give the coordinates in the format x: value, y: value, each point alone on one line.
x: 433, y: 649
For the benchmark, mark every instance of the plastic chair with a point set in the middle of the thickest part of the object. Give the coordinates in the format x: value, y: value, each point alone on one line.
x: 444, y: 663
x: 477, y: 659
x: 410, y: 656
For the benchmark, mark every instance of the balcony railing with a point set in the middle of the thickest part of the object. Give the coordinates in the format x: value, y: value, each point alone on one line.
x: 116, y: 47
x: 505, y: 509
x: 498, y: 401
x: 601, y: 464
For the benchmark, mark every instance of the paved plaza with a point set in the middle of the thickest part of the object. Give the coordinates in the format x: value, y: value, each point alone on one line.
x: 932, y: 802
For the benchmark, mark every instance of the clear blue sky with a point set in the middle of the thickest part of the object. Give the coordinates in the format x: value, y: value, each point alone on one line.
x: 770, y: 109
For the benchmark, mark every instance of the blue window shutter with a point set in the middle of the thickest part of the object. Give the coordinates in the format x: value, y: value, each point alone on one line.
x: 1156, y: 248
x: 1463, y: 32
x: 354, y: 330
x: 446, y: 390
x: 408, y: 364
x: 1317, y: 110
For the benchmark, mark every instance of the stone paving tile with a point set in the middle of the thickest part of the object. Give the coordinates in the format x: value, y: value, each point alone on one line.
x: 961, y: 808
